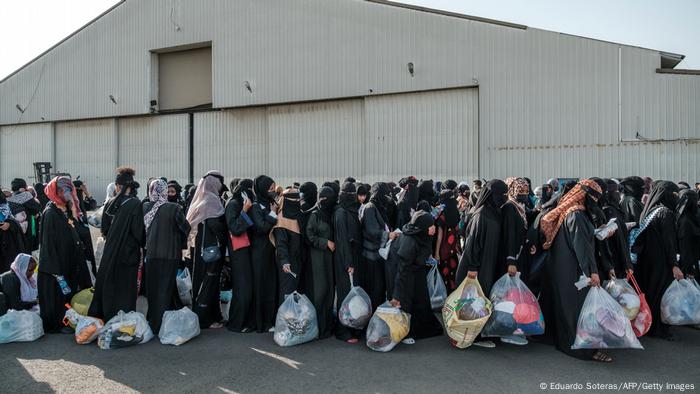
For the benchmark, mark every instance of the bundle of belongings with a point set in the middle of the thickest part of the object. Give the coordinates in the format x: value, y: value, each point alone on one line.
x: 680, y: 304
x: 123, y: 330
x: 602, y: 324
x: 516, y: 311
x: 296, y: 321
x: 356, y: 309
x: 622, y: 292
x: 387, y: 328
x: 436, y: 286
x: 86, y: 328
x: 20, y: 326
x: 465, y: 313
x: 81, y: 301
x: 178, y: 327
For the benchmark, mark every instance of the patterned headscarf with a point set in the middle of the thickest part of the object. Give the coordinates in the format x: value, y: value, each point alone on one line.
x: 158, y: 195
x: 571, y: 202
x: 61, y: 191
x: 518, y: 187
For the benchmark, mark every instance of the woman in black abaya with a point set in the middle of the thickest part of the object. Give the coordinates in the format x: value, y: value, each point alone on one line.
x: 655, y: 246
x: 240, y: 226
x: 264, y: 215
x: 116, y: 287
x: 166, y: 237
x: 206, y: 217
x: 688, y: 224
x: 568, y: 233
x: 632, y: 192
x: 411, y: 289
x: 286, y: 238
x: 319, y: 231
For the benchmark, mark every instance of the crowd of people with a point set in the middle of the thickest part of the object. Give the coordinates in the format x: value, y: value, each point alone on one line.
x: 259, y: 241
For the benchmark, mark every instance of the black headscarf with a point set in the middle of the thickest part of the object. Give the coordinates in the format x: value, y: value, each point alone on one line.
x: 234, y: 183
x: 451, y: 212
x: 242, y: 186
x: 424, y: 206
x: 40, y: 195
x: 261, y: 185
x: 594, y: 209
x: 662, y: 193
x: 426, y: 191
x: 683, y: 185
x: 493, y: 194
x: 418, y: 229
x: 409, y: 200
x: 348, y: 197
x: 633, y: 186
x: 291, y: 207
x: 688, y: 205
x: 334, y: 186
x: 310, y: 192
x: 325, y: 206
x: 611, y: 193
x: 449, y: 184
x: 379, y: 194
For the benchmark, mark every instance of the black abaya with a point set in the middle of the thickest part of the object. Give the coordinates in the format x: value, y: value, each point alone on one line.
x: 319, y: 231
x: 375, y: 234
x: 206, y: 277
x: 116, y: 284
x: 481, y: 248
x: 572, y: 253
x: 166, y: 239
x: 242, y: 312
x: 264, y: 269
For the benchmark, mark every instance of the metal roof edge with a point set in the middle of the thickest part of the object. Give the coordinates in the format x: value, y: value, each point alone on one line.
x: 677, y: 71
x: 447, y: 13
x: 110, y: 9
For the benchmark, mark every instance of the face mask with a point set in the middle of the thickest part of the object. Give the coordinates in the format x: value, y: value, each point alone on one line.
x: 521, y: 198
x: 499, y: 200
x: 272, y: 195
x: 67, y: 195
x: 172, y: 198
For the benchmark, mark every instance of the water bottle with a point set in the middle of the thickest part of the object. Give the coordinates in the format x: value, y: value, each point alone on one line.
x: 63, y: 284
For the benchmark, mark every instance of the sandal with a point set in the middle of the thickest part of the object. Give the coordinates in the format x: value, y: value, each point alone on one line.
x: 352, y: 341
x: 602, y: 357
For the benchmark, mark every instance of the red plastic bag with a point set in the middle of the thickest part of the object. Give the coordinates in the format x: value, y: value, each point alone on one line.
x: 642, y: 323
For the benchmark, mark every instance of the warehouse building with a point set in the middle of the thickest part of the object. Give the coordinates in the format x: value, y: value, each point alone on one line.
x: 323, y: 89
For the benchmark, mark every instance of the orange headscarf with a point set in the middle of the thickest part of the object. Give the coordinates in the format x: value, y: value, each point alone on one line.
x: 570, y: 202
x: 56, y: 189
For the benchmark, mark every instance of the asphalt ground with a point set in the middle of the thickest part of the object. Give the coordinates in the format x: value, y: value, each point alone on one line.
x: 219, y: 361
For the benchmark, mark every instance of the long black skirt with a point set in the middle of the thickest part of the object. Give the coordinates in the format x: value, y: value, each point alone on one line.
x: 52, y: 302
x: 163, y: 296
x: 241, y: 315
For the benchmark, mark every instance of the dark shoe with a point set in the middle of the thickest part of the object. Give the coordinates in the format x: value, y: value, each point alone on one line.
x: 66, y: 330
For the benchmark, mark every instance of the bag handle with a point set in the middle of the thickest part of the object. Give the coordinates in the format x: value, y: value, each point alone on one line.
x: 351, y: 282
x: 630, y: 278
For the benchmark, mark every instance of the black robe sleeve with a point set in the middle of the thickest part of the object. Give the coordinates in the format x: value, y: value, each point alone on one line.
x: 312, y: 233
x: 183, y: 226
x: 138, y: 228
x: 688, y: 244
x: 11, y: 288
x: 580, y: 231
x: 373, y: 229
x: 474, y: 245
x: 51, y: 236
x: 405, y: 255
x: 32, y: 207
x: 237, y: 220
x: 282, y: 247
x: 513, y: 228
x: 262, y: 221
x: 343, y: 251
x: 667, y: 223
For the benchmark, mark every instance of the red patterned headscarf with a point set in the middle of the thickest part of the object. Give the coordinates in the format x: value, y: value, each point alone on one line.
x: 61, y: 191
x: 571, y: 202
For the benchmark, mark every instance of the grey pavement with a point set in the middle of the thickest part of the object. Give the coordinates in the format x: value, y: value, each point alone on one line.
x: 219, y: 361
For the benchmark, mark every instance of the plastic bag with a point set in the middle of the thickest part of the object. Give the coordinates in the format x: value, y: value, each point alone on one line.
x: 387, y: 328
x: 624, y: 294
x: 81, y: 301
x: 515, y: 310
x: 184, y: 286
x: 296, y: 321
x: 95, y: 220
x: 178, y: 327
x: 642, y: 323
x: 20, y: 326
x: 606, y: 231
x: 356, y: 309
x: 602, y: 324
x: 123, y: 330
x: 680, y: 304
x: 465, y: 313
x: 436, y: 288
x: 99, y: 250
x: 86, y: 328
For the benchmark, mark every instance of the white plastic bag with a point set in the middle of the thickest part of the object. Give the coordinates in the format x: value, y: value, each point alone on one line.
x: 356, y: 309
x: 20, y: 326
x: 436, y: 288
x: 515, y: 310
x: 95, y: 220
x: 387, y: 328
x: 99, y: 250
x: 625, y: 295
x: 178, y: 327
x: 296, y: 321
x: 184, y: 286
x: 125, y: 329
x: 680, y: 304
x: 602, y: 324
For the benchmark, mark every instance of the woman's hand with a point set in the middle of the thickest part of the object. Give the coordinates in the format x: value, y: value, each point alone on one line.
x: 395, y: 303
x: 351, y: 270
x: 630, y: 271
x: 611, y: 274
x: 595, y: 280
x: 677, y: 273
x: 4, y: 226
x: 247, y: 204
x: 472, y: 274
x: 394, y: 235
x: 331, y: 246
x: 287, y: 269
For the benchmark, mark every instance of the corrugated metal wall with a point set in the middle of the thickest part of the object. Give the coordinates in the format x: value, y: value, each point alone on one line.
x: 20, y: 146
x: 88, y: 149
x: 155, y: 146
x: 548, y: 101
